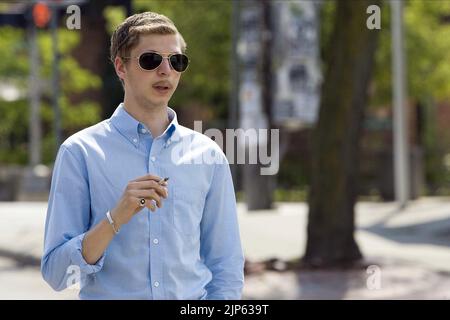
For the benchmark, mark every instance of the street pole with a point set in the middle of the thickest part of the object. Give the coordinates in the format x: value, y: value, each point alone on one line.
x: 55, y: 78
x: 401, y: 159
x: 35, y: 131
x: 234, y: 98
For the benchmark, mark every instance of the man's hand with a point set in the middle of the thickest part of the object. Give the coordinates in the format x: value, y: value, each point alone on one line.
x: 145, y: 187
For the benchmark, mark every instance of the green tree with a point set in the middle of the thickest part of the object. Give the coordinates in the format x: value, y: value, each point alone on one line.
x: 14, y: 70
x: 13, y: 108
x: 427, y: 50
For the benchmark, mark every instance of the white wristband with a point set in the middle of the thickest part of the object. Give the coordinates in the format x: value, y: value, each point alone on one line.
x: 111, y: 222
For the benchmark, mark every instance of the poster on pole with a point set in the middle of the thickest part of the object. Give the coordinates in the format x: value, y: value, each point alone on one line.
x: 251, y: 113
x: 296, y: 63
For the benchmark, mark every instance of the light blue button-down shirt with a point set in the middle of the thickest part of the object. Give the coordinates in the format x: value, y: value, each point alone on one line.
x: 188, y: 249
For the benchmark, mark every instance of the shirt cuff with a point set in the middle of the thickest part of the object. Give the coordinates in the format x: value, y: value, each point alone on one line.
x: 77, y: 257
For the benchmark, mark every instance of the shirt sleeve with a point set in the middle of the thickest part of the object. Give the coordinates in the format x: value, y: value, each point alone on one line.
x: 68, y: 219
x: 220, y: 239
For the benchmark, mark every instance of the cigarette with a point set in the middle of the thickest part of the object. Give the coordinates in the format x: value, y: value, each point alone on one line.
x: 163, y: 180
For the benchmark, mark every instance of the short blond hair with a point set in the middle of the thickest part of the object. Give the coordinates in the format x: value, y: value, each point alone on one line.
x: 126, y: 35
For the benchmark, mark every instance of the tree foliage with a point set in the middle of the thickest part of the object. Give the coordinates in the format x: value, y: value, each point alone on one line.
x: 205, y: 25
x: 427, y: 51
x: 14, y: 71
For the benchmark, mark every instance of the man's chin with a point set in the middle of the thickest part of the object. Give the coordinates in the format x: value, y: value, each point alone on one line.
x: 157, y: 103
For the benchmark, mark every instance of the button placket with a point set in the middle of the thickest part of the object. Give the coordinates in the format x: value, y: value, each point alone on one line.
x: 156, y: 266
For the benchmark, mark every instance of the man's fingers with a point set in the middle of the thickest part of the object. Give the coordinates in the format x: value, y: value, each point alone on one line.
x: 151, y: 184
x: 147, y: 177
x: 148, y: 195
x: 150, y: 204
x: 164, y: 184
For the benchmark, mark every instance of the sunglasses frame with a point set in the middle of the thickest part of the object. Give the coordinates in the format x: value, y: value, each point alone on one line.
x: 163, y: 57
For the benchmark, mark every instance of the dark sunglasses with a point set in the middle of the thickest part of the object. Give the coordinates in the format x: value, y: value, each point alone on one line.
x: 151, y: 60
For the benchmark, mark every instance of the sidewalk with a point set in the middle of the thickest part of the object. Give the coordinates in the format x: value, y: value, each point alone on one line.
x: 411, y: 248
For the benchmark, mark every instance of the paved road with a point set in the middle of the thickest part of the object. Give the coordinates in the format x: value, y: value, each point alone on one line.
x: 411, y: 247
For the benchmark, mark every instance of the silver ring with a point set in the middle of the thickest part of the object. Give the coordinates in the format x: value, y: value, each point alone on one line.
x: 142, y: 202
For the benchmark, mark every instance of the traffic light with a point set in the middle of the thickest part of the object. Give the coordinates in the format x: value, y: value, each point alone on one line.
x: 41, y: 15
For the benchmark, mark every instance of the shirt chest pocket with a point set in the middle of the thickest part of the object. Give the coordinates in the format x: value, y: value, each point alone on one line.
x: 188, y: 205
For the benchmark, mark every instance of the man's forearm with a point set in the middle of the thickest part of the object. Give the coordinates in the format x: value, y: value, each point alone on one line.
x: 96, y: 241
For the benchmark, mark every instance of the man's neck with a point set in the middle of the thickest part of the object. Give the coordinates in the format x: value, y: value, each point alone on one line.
x: 154, y: 118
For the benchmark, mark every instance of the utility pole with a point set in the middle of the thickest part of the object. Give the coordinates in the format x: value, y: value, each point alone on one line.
x: 401, y: 150
x: 33, y: 184
x: 55, y: 77
x: 234, y: 92
x: 35, y: 131
x: 255, y: 98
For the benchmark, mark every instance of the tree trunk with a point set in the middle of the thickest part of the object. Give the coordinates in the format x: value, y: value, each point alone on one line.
x: 259, y: 188
x: 335, y: 148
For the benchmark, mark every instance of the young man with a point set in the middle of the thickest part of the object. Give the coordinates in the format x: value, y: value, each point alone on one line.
x: 113, y: 220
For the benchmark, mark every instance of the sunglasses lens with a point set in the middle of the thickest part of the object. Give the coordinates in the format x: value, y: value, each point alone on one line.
x: 150, y: 60
x: 179, y: 62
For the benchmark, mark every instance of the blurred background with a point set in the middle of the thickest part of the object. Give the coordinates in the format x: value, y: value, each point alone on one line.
x: 359, y: 91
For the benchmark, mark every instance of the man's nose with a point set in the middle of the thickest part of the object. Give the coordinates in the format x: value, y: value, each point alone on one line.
x: 164, y: 67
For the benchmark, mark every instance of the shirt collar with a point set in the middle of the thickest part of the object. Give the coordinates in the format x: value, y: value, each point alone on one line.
x: 129, y: 127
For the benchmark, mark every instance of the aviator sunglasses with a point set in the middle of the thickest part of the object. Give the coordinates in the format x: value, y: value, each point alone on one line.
x: 151, y: 60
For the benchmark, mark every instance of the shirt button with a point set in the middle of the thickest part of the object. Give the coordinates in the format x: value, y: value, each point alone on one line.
x: 134, y: 140
x: 156, y: 284
x: 155, y: 241
x: 143, y: 130
x: 152, y: 158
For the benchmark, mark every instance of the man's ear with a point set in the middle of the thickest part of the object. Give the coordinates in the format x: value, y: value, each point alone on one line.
x: 119, y: 65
